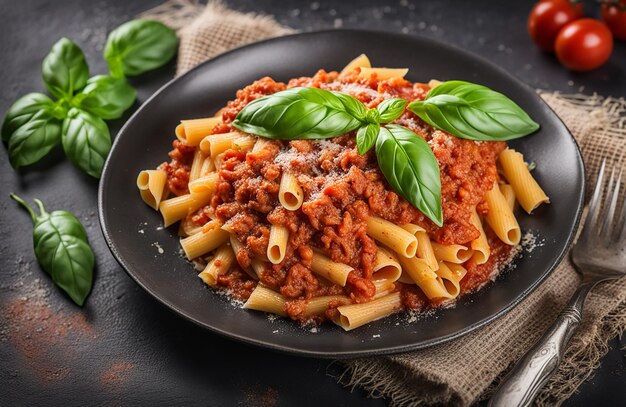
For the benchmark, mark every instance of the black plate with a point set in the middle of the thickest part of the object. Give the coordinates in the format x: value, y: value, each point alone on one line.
x: 132, y: 230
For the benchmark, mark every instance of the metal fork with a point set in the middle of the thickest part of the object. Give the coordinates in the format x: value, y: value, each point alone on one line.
x: 598, y: 255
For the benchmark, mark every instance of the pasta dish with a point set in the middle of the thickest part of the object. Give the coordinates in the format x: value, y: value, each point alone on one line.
x: 345, y: 196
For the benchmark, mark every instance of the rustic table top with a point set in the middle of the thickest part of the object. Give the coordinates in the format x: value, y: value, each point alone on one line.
x: 125, y: 348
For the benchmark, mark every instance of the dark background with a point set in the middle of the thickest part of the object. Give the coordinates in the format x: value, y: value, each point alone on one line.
x: 123, y: 347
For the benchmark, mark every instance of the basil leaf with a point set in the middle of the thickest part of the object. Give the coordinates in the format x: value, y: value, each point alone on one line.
x: 139, y: 46
x: 352, y: 105
x: 473, y: 112
x: 106, y: 97
x: 62, y: 250
x: 64, y: 69
x: 34, y: 139
x: 410, y: 167
x: 298, y: 114
x: 86, y: 141
x: 22, y: 111
x: 372, y: 116
x: 391, y: 109
x: 366, y: 137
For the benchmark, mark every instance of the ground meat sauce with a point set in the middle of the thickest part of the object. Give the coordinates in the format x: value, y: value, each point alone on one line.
x: 341, y: 190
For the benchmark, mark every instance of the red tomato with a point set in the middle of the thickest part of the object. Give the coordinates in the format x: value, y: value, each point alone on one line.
x: 584, y: 44
x: 548, y: 17
x: 614, y: 14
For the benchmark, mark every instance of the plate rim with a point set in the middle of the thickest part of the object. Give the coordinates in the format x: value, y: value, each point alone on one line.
x: 342, y: 354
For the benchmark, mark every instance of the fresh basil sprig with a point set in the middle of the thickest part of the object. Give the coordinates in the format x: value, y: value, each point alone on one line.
x: 35, y: 124
x: 62, y: 250
x: 139, y: 46
x: 405, y: 159
x: 473, y: 112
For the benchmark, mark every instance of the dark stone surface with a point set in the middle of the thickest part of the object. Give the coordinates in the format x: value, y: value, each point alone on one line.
x: 123, y: 347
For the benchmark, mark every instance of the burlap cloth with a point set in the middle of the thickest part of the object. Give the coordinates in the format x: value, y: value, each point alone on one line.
x: 462, y: 371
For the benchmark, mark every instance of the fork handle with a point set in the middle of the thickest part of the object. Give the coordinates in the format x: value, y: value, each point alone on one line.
x: 523, y: 383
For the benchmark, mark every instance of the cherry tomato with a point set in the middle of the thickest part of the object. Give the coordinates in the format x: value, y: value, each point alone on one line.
x: 548, y: 17
x: 614, y: 14
x: 584, y: 44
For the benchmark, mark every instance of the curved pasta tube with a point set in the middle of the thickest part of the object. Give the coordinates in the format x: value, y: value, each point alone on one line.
x: 527, y: 191
x: 383, y: 73
x: 480, y: 245
x: 507, y: 191
x: 451, y: 277
x: 236, y: 246
x: 191, y: 132
x: 152, y: 186
x: 215, y: 144
x: 290, y: 192
x: 426, y: 279
x: 209, y: 238
x: 174, y: 209
x: 319, y: 305
x: 424, y: 246
x: 392, y: 236
x: 355, y: 315
x: 218, y: 265
x: 204, y: 184
x: 330, y: 270
x: 383, y: 287
x: 500, y: 217
x: 454, y: 253
x: 277, y: 245
x: 386, y: 266
x: 264, y: 299
x: 362, y: 61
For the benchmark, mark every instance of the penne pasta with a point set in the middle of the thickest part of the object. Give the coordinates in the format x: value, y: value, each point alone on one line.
x: 196, y: 165
x: 277, y: 246
x: 319, y: 305
x: 527, y: 191
x: 152, y: 186
x: 433, y: 83
x: 393, y: 236
x: 236, y: 246
x: 480, y: 246
x: 330, y: 270
x: 264, y: 299
x: 218, y: 143
x: 383, y: 73
x: 260, y: 144
x: 188, y: 227
x: 355, y: 315
x: 507, y: 191
x: 362, y: 61
x: 204, y: 185
x: 218, y: 265
x: 424, y: 247
x: 244, y: 143
x: 174, y: 209
x: 425, y: 278
x: 191, y: 132
x: 454, y: 253
x: 450, y: 279
x: 383, y: 287
x: 290, y: 193
x: 500, y: 217
x: 386, y: 266
x: 209, y: 238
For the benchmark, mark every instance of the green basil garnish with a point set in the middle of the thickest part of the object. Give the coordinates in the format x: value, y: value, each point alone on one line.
x: 86, y: 141
x: 34, y: 139
x: 62, y: 250
x: 473, y: 112
x: 391, y: 109
x: 22, y: 111
x: 106, y: 97
x: 64, y: 70
x: 300, y: 113
x: 410, y: 167
x: 139, y: 46
x: 366, y: 137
